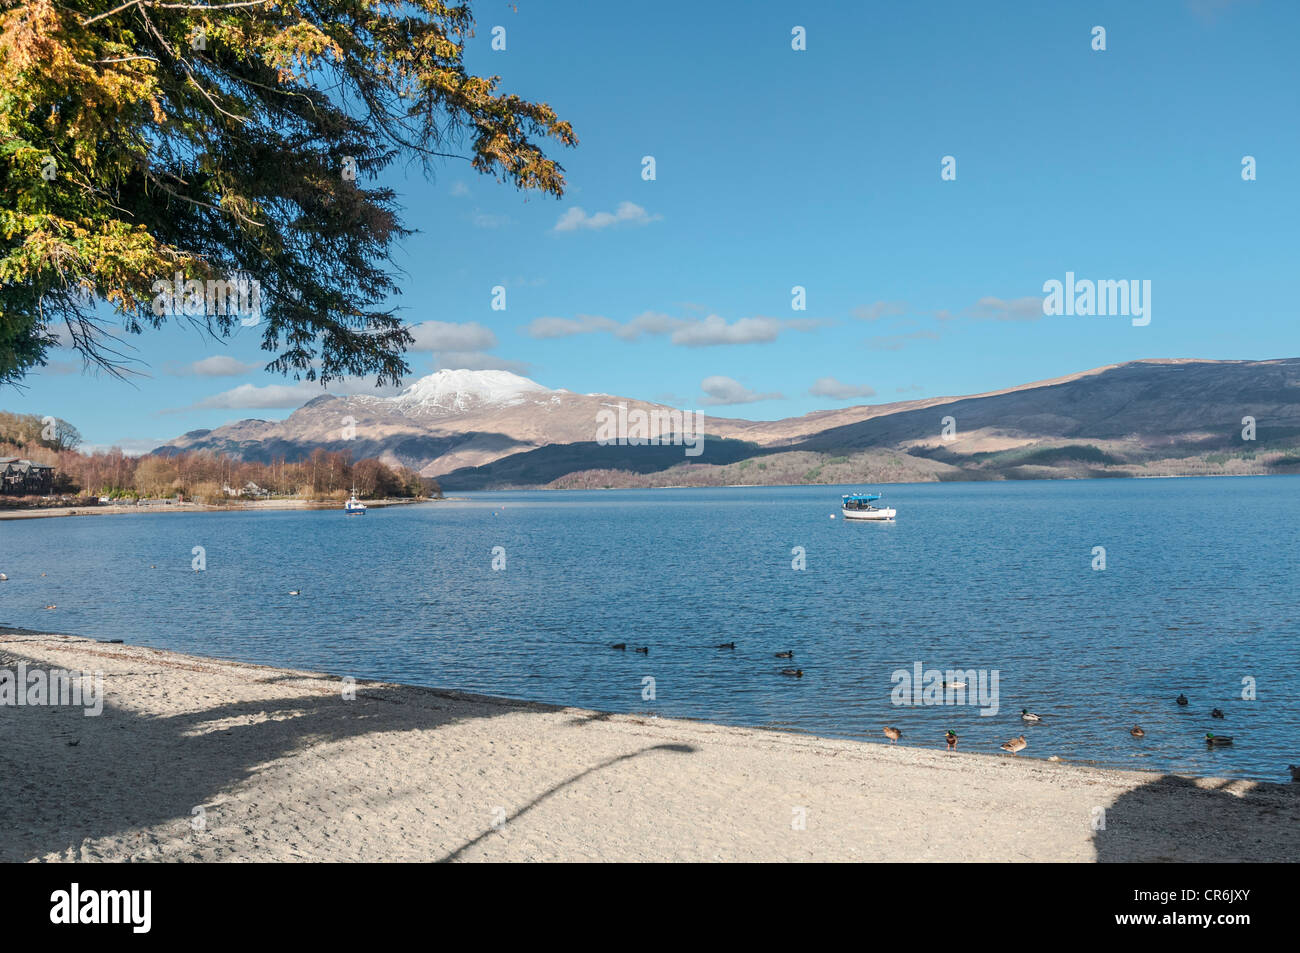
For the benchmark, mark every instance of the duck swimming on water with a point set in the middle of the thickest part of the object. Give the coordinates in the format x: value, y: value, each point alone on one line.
x: 1217, y: 713
x: 1217, y: 741
x: 792, y: 672
x: 726, y: 645
x: 1137, y: 732
x: 785, y: 655
x: 1181, y: 699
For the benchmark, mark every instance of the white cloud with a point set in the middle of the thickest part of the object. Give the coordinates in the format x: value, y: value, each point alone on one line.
x: 830, y: 387
x: 279, y: 396
x: 450, y: 336
x: 715, y: 330
x: 880, y: 309
x: 896, y: 342
x: 627, y: 213
x: 719, y: 390
x: 544, y: 328
x: 486, y: 220
x: 219, y: 365
x: 685, y: 332
x: 1002, y: 309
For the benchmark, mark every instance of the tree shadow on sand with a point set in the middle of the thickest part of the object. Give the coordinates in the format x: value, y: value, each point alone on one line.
x: 81, y: 777
x: 1173, y: 818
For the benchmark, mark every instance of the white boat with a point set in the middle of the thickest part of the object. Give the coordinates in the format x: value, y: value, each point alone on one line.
x: 860, y: 506
x: 354, y: 507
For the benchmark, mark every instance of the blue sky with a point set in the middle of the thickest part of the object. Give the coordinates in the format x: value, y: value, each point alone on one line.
x: 821, y: 168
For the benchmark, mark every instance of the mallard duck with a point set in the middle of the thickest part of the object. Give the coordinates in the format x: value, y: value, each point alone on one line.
x: 1181, y: 699
x: 1217, y: 713
x: 1137, y: 732
x: 951, y: 738
x: 1015, y: 744
x: 893, y: 734
x: 726, y: 645
x: 295, y: 592
x: 785, y: 655
x: 792, y: 672
x: 644, y: 650
x: 947, y: 685
x: 621, y: 646
x: 3, y: 577
x: 1217, y: 741
x: 1028, y: 715
x: 51, y: 607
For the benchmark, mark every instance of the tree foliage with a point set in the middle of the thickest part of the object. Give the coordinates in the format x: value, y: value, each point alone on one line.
x: 149, y: 138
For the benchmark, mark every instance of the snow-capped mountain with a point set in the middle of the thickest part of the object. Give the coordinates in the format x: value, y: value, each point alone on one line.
x: 439, y: 423
x: 458, y: 392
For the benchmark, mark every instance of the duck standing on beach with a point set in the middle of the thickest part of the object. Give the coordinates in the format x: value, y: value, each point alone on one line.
x: 1217, y: 741
x: 893, y: 734
x: 1181, y: 699
x: 1137, y: 732
x: 1217, y: 713
x: 1015, y: 745
x: 792, y: 672
x: 951, y: 738
x: 1028, y: 715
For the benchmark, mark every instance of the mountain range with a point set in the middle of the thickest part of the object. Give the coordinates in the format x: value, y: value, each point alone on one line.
x: 495, y: 429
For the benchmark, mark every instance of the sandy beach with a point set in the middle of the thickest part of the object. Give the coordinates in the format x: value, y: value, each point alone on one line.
x: 200, y: 759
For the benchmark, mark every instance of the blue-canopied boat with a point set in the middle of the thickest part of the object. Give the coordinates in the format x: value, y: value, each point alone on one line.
x: 861, y: 506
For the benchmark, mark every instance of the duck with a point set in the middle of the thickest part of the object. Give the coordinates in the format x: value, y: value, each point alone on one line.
x: 295, y: 592
x: 621, y: 646
x: 785, y: 655
x: 726, y: 645
x: 1295, y: 771
x: 1137, y: 732
x: 1015, y: 744
x: 947, y: 685
x: 951, y: 738
x: 1181, y: 699
x: 792, y: 672
x: 643, y: 650
x: 1028, y: 715
x: 51, y: 607
x: 1217, y: 741
x: 1217, y: 713
x: 3, y: 577
x: 893, y: 734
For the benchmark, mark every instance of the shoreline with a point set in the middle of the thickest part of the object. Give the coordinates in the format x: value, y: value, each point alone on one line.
x: 282, y: 767
x: 110, y: 509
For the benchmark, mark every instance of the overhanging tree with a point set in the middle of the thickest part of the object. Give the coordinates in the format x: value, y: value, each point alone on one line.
x: 144, y: 139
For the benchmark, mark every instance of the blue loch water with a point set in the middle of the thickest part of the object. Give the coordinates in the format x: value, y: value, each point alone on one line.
x: 1198, y: 595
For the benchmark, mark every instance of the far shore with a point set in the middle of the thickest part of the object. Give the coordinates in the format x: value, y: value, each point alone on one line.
x: 118, y: 509
x: 199, y: 759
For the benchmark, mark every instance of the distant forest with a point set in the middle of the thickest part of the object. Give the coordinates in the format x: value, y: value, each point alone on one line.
x: 202, y: 476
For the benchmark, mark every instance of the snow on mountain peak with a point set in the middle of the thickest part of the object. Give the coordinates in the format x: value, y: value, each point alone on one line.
x: 462, y: 390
